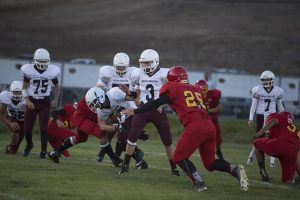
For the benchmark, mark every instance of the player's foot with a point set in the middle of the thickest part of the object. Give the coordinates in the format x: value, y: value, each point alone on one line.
x: 101, y: 155
x: 240, y: 173
x: 272, y: 165
x: 199, y: 186
x: 296, y: 181
x: 43, y: 154
x: 175, y: 172
x: 124, y: 169
x: 27, y: 150
x: 144, y: 136
x: 264, y: 176
x: 250, y: 160
x: 117, y: 162
x: 138, y: 156
x: 53, y: 155
x: 8, y: 149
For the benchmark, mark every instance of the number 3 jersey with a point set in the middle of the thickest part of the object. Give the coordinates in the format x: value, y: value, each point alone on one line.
x: 40, y: 83
x: 149, y: 84
x: 15, y: 111
x: 267, y: 100
x: 186, y: 100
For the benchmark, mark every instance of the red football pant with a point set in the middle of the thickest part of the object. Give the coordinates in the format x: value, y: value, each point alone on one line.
x: 286, y: 152
x: 199, y: 134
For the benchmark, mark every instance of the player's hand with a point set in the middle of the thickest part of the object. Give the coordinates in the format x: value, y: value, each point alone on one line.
x: 160, y: 109
x: 128, y: 112
x: 137, y: 101
x: 14, y: 126
x: 250, y: 123
x: 53, y: 103
x: 30, y: 105
x: 60, y: 124
x: 125, y: 89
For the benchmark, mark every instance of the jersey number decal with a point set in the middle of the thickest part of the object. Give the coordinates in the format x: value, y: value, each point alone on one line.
x: 40, y: 83
x: 18, y: 115
x: 191, y: 101
x: 291, y: 127
x: 268, y: 101
x: 150, y: 88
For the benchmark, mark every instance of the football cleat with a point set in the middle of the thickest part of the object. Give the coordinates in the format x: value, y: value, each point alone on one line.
x: 43, y: 154
x: 117, y: 162
x: 138, y: 156
x: 144, y: 136
x: 199, y: 186
x: 240, y: 173
x: 219, y: 154
x: 296, y: 181
x: 264, y: 176
x: 101, y: 155
x: 272, y: 162
x: 175, y: 172
x: 53, y: 155
x: 27, y: 150
x: 124, y: 169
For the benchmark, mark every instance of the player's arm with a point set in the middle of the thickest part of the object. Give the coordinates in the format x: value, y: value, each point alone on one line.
x: 25, y: 86
x: 14, y: 126
x: 280, y: 105
x: 252, y: 110
x: 267, y: 126
x: 57, y: 92
x: 151, y: 105
x: 216, y: 109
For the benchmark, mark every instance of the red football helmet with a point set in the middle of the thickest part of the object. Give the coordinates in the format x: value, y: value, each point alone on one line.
x: 178, y: 74
x: 203, y: 86
x: 288, y: 115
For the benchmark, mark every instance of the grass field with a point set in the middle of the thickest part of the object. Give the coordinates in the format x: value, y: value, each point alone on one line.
x: 82, y: 177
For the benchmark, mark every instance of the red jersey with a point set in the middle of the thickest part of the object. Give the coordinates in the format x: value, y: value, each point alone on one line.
x: 66, y: 118
x: 212, y: 99
x: 285, y: 129
x: 186, y: 100
x: 84, y: 111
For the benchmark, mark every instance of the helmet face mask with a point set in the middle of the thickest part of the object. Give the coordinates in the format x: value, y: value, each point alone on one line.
x: 149, y: 60
x: 16, y: 90
x: 95, y: 97
x: 121, y: 63
x: 41, y: 59
x: 267, y: 79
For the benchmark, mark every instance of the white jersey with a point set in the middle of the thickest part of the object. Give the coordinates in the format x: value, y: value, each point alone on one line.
x: 40, y: 83
x: 117, y: 100
x: 15, y: 111
x: 108, y: 78
x: 149, y: 85
x: 267, y: 101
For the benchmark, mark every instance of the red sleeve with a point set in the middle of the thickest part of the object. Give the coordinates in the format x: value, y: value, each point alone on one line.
x: 165, y: 89
x: 69, y: 108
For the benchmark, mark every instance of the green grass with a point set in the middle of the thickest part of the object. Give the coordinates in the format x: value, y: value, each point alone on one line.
x: 82, y: 177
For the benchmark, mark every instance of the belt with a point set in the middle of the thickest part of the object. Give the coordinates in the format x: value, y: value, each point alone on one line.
x: 37, y: 97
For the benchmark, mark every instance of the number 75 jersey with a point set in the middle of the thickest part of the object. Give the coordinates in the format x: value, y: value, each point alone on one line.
x: 267, y: 101
x: 40, y: 83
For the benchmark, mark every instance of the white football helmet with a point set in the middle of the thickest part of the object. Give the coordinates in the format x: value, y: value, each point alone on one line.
x: 16, y: 90
x: 267, y: 79
x: 95, y: 97
x: 149, y: 60
x: 41, y: 59
x: 121, y: 63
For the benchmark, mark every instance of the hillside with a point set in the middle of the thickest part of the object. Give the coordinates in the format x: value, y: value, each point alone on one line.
x: 199, y: 34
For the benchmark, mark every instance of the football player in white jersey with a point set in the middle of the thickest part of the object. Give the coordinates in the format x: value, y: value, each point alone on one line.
x: 148, y: 79
x: 120, y: 75
x: 12, y: 107
x: 37, y: 81
x: 266, y: 99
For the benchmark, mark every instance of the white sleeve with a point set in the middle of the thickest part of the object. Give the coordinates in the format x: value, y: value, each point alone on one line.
x: 280, y: 105
x: 253, y: 108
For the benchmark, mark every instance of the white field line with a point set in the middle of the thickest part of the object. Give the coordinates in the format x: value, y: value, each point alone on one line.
x: 10, y: 196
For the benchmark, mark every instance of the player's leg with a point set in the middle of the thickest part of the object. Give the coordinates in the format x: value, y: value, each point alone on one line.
x: 218, y: 141
x: 161, y: 122
x: 29, y: 119
x: 43, y: 112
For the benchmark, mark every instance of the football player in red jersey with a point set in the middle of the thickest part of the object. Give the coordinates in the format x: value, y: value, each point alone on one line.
x: 213, y: 106
x: 60, y: 126
x: 187, y: 101
x: 283, y: 143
